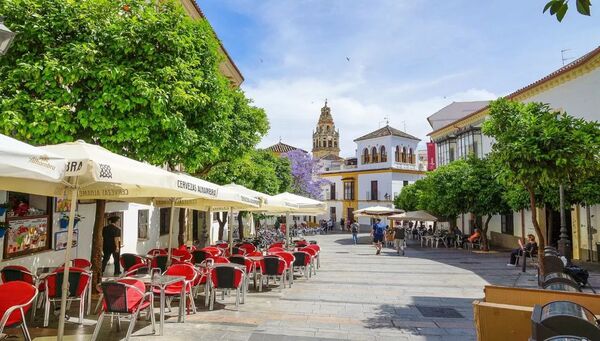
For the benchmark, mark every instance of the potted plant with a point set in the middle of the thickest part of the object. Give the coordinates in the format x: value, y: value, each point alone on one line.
x: 64, y: 220
x: 3, y: 208
x: 3, y: 227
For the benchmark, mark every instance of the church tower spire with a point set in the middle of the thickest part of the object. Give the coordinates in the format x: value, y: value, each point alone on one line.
x: 326, y: 139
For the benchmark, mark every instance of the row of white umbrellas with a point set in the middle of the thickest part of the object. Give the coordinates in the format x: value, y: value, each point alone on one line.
x: 78, y: 170
x: 394, y: 214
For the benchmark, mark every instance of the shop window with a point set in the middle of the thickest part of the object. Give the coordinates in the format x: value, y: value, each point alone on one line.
x: 29, y: 221
x: 143, y: 222
x: 165, y: 222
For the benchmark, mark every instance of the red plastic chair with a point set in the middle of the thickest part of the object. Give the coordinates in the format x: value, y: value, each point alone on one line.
x: 275, y: 249
x: 303, y: 263
x: 313, y: 256
x: 222, y: 246
x: 254, y: 254
x: 317, y: 248
x: 181, y: 255
x: 272, y: 267
x: 125, y: 297
x: 128, y: 260
x: 220, y: 260
x: 77, y: 292
x: 249, y: 247
x: 300, y: 243
x: 12, y: 273
x: 160, y: 262
x: 225, y: 278
x: 174, y: 290
x: 213, y: 250
x: 16, y: 298
x: 289, y: 259
x: 81, y: 263
x: 277, y: 244
x: 138, y: 269
x: 199, y: 256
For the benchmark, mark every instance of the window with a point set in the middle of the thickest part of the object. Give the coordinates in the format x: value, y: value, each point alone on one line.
x: 332, y: 191
x: 507, y: 223
x: 165, y: 222
x: 365, y: 158
x: 349, y: 190
x: 143, y: 222
x: 30, y: 225
x: 374, y: 154
x: 332, y: 213
x: 469, y: 143
x: 383, y: 154
x: 404, y: 183
x: 330, y: 143
x: 397, y: 154
x: 374, y: 190
x: 411, y: 156
x: 403, y: 155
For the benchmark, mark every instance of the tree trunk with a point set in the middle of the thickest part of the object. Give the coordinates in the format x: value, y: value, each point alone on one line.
x: 241, y: 225
x: 222, y: 222
x: 96, y: 256
x: 538, y: 231
x: 182, y: 227
x: 484, y: 239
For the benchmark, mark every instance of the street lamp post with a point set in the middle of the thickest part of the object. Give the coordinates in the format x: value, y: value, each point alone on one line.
x: 6, y: 37
x: 564, y: 244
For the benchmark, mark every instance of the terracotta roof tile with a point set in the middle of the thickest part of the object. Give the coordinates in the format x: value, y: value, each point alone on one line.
x: 387, y: 131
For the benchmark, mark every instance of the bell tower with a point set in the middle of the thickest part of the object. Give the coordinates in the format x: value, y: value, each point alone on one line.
x: 326, y: 139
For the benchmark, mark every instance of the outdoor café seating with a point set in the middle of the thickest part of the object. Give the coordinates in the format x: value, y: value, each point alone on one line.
x: 199, y: 256
x: 313, y: 258
x: 79, y: 280
x: 17, y: 273
x: 16, y: 298
x: 125, y: 297
x: 213, y: 250
x: 159, y: 261
x: 289, y: 265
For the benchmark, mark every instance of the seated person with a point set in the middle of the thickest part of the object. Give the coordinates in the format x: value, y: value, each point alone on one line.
x: 529, y: 248
x: 475, y: 236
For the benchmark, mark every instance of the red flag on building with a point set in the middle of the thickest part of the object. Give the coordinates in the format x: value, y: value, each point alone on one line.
x: 431, y: 165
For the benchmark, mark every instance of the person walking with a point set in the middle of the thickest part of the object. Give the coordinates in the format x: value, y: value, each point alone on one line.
x: 378, y: 234
x: 111, y: 244
x: 354, y: 229
x: 399, y: 235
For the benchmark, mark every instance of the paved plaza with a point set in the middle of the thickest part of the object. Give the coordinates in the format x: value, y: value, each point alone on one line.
x: 356, y: 295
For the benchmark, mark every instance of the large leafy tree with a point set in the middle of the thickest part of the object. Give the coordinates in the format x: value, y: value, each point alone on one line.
x: 486, y: 196
x: 537, y: 146
x: 408, y: 199
x: 445, y: 191
x: 140, y: 79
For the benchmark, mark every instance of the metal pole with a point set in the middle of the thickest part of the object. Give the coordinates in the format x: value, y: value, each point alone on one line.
x: 171, y: 224
x: 588, y: 217
x: 230, y: 230
x: 65, y: 283
x: 209, y: 228
x: 287, y: 229
x: 564, y: 244
x: 524, y: 265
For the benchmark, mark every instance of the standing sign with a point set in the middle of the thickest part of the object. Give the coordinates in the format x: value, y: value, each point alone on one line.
x: 431, y: 164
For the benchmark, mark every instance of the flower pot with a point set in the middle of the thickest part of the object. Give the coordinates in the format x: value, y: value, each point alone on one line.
x: 64, y: 223
x: 2, y: 211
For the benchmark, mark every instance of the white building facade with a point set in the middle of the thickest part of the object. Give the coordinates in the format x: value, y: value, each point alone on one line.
x: 386, y: 161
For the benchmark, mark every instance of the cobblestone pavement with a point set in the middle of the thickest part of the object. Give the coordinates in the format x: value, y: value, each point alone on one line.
x: 356, y: 295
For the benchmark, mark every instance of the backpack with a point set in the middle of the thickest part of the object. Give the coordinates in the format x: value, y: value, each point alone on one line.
x: 580, y: 275
x: 379, y: 229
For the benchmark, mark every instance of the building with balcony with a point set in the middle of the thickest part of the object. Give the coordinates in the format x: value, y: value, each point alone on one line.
x: 456, y: 133
x: 385, y: 162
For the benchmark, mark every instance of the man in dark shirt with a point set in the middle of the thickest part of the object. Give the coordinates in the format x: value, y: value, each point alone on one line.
x: 399, y: 233
x: 111, y: 244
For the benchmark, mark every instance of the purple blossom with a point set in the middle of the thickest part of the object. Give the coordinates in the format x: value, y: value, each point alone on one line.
x: 305, y: 175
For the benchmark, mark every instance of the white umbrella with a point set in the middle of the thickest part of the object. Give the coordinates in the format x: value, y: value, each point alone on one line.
x: 268, y: 203
x: 376, y: 211
x: 26, y: 168
x: 306, y: 206
x: 414, y: 215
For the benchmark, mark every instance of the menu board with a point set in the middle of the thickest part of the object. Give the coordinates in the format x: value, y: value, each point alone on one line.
x: 60, y: 239
x: 26, y: 235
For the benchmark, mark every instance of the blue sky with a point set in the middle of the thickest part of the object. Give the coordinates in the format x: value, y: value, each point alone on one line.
x: 408, y: 59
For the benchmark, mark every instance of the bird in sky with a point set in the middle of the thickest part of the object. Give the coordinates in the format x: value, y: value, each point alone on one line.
x: 348, y: 58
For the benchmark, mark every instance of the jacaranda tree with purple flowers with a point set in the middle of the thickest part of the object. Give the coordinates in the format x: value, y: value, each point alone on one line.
x: 305, y: 174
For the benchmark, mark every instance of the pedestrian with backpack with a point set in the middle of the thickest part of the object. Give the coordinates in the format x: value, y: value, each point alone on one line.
x: 378, y: 234
x: 354, y: 229
x: 399, y: 235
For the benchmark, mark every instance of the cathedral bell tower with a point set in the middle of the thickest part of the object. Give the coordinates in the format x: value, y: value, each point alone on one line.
x: 326, y: 139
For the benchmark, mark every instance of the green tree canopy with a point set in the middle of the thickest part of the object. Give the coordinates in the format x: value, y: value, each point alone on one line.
x: 140, y: 80
x: 559, y: 8
x: 409, y: 197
